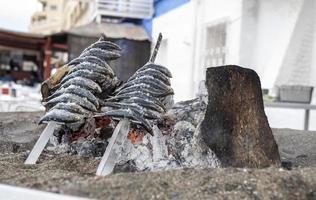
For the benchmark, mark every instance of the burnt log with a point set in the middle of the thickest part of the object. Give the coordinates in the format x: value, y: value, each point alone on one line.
x: 235, y: 126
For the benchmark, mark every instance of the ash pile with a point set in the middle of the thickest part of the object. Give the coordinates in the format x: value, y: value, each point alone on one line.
x: 87, y: 101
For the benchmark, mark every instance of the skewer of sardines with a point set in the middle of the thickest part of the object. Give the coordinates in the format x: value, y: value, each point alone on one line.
x: 80, y: 91
x: 140, y: 99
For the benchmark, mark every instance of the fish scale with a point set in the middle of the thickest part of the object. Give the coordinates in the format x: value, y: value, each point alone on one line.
x: 61, y: 116
x: 146, y: 88
x: 152, y: 72
x: 73, y: 89
x: 160, y: 68
x: 85, y: 73
x: 148, y: 113
x: 92, y: 67
x: 139, y: 99
x: 83, y: 82
x: 149, y: 80
x: 72, y: 107
x: 90, y: 59
x: 140, y: 96
x: 103, y: 45
x: 71, y: 98
x: 103, y: 54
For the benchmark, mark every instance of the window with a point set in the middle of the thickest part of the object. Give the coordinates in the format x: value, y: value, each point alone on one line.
x: 53, y: 7
x: 215, y: 42
x: 41, y: 18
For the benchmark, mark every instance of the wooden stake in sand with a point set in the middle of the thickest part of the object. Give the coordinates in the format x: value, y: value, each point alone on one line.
x: 41, y: 143
x: 114, y: 148
x: 155, y: 51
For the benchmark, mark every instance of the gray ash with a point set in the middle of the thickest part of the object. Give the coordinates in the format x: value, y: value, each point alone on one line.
x: 176, y: 142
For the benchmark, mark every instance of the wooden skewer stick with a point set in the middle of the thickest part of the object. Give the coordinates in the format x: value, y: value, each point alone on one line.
x: 41, y: 143
x: 115, y: 146
x: 156, y: 49
x: 113, y: 149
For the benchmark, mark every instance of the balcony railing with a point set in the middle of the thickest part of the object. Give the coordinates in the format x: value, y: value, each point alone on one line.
x: 139, y: 9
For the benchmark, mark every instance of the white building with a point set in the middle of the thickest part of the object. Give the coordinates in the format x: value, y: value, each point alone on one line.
x: 264, y: 35
x: 61, y: 15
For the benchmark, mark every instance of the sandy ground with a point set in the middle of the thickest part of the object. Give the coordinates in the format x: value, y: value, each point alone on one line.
x: 74, y: 175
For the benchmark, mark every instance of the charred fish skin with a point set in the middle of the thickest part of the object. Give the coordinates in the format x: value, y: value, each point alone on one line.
x: 160, y: 68
x: 76, y: 97
x: 92, y: 60
x: 102, y: 54
x: 61, y: 116
x: 149, y: 80
x: 72, y: 89
x: 109, y: 84
x: 84, y: 83
x: 140, y: 101
x: 92, y: 67
x: 72, y: 107
x: 104, y: 45
x: 140, y: 98
x: 89, y: 59
x: 97, y: 77
x: 57, y: 93
x: 71, y: 98
x: 82, y: 92
x: 147, y: 113
x: 154, y: 73
x: 101, y: 102
x: 147, y: 104
x: 147, y: 89
x: 108, y: 87
x: 140, y: 94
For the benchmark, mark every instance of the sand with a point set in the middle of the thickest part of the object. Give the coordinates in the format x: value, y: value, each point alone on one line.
x: 74, y: 175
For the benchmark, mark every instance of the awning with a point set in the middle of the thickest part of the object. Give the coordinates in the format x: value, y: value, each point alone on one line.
x: 21, y: 40
x: 111, y: 30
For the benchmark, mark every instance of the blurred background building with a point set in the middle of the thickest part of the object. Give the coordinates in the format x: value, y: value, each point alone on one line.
x: 267, y: 36
x: 60, y: 15
x: 275, y: 38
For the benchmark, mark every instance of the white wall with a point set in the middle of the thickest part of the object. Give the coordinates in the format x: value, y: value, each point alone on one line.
x: 177, y: 27
x: 258, y: 42
x: 276, y: 22
x: 212, y: 12
x: 184, y: 30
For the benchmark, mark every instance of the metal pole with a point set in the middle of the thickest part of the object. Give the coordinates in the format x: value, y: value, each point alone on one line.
x: 306, y: 122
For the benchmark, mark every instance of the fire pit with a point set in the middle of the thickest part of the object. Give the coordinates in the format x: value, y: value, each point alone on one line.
x: 89, y: 111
